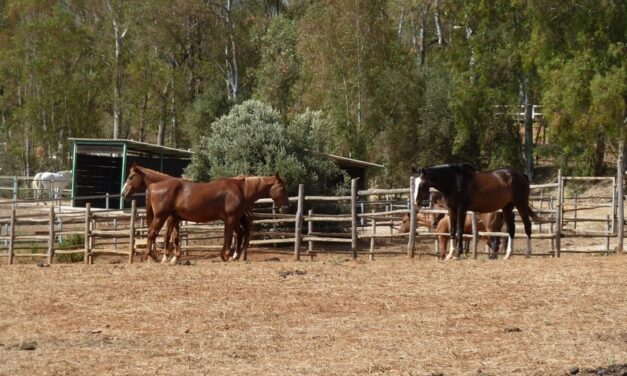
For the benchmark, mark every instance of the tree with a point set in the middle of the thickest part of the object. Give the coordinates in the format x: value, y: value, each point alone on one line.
x: 582, y: 52
x: 252, y: 140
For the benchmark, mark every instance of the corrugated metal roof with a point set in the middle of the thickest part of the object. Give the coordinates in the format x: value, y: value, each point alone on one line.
x: 135, y: 145
x: 144, y: 146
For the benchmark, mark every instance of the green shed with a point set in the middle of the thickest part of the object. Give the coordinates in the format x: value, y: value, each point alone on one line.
x: 100, y: 167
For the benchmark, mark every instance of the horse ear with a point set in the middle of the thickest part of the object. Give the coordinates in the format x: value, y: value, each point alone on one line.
x: 276, y: 175
x: 414, y: 170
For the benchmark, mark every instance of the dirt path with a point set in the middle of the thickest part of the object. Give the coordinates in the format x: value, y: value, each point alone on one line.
x: 392, y: 316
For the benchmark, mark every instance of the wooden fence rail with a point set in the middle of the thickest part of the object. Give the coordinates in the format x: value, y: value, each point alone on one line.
x: 363, y: 216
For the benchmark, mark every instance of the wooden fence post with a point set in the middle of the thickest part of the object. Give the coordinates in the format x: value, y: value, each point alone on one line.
x: 298, y: 233
x: 12, y: 237
x: 620, y: 197
x: 614, y: 190
x: 51, y: 236
x: 560, y: 212
x: 131, y: 243
x: 310, y: 230
x: 541, y: 204
x: 575, y: 214
x: 372, y: 239
x: 608, y: 227
x: 87, y: 233
x: 475, y: 235
x: 412, y: 220
x: 354, y: 218
x: 15, y: 191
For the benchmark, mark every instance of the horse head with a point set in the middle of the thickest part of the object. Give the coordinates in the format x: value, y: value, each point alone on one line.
x: 404, y: 224
x: 278, y: 193
x: 134, y: 182
x: 421, y: 185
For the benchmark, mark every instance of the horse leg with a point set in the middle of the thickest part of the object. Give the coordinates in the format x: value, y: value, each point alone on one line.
x: 508, y: 216
x: 461, y: 222
x: 229, y: 225
x: 155, y: 226
x: 247, y: 234
x: 443, y: 243
x: 243, y: 236
x: 166, y: 239
x: 176, y: 231
x: 453, y: 229
x: 523, y: 210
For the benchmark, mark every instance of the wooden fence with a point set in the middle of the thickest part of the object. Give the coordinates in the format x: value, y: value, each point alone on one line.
x: 355, y: 224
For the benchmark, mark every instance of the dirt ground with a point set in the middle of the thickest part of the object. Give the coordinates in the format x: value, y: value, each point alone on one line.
x: 392, y: 316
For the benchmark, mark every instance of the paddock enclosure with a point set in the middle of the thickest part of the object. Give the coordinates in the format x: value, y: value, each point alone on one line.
x: 334, y: 312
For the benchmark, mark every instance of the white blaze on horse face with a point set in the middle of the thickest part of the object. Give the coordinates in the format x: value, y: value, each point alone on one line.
x: 417, y: 182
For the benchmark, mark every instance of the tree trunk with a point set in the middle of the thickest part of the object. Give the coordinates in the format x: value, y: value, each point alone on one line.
x: 163, y: 116
x: 117, y: 80
x: 599, y: 153
x: 231, y: 57
x: 525, y: 102
x: 421, y: 35
x: 401, y: 20
x: 274, y: 8
x: 142, y: 119
x: 438, y: 25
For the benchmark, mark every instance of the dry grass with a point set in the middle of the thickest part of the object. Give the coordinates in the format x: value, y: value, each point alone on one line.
x: 335, y: 317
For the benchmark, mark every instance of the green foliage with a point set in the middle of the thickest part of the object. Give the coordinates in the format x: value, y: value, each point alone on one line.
x: 71, y: 242
x: 252, y: 140
x: 382, y: 95
x: 279, y: 66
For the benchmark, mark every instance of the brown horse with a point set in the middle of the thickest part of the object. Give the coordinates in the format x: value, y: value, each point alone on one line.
x: 429, y: 220
x: 199, y: 202
x: 148, y: 177
x: 255, y: 187
x: 465, y: 189
x: 491, y: 222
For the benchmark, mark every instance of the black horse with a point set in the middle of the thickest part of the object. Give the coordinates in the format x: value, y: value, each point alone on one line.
x: 465, y: 189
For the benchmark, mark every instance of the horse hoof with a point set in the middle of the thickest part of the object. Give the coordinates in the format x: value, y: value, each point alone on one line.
x: 173, y: 261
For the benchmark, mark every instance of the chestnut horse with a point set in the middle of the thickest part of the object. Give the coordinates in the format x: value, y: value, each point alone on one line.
x: 255, y: 187
x: 149, y: 177
x: 465, y: 189
x: 184, y: 200
x: 492, y: 222
x: 429, y: 220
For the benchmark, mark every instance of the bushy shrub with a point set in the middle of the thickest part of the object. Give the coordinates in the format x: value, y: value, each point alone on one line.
x: 252, y: 139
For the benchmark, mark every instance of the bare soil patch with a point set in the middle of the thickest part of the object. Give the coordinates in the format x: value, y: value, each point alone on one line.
x: 393, y: 316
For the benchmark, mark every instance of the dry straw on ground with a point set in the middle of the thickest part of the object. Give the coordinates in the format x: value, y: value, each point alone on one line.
x: 393, y: 316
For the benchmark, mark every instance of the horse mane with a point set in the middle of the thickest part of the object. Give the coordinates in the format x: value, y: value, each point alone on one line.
x: 463, y: 168
x: 153, y: 172
x: 251, y: 184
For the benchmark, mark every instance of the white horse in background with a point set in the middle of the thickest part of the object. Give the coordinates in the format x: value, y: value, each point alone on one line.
x: 52, y: 182
x: 36, y: 185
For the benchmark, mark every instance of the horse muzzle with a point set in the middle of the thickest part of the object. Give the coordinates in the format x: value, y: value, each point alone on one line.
x: 283, y: 209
